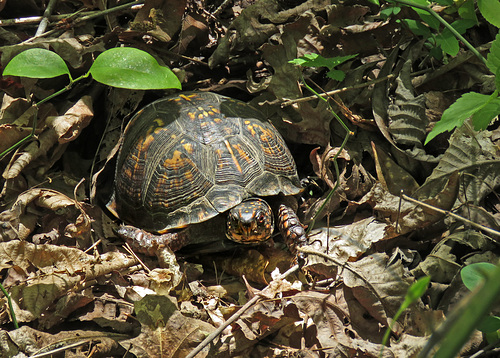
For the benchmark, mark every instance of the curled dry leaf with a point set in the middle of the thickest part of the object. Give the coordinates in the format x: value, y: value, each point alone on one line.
x: 62, y: 129
x: 70, y: 124
x: 322, y: 164
x: 18, y: 221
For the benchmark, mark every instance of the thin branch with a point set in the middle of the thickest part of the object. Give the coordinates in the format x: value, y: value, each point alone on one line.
x: 235, y: 316
x: 453, y: 215
x: 45, y: 20
x: 330, y: 93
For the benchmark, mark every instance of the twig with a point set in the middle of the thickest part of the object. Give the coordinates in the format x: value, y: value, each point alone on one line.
x: 330, y: 93
x: 45, y: 20
x: 61, y: 349
x: 235, y: 316
x: 135, y: 5
x: 453, y: 215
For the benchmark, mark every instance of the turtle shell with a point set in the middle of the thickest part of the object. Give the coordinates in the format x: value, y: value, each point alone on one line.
x: 188, y: 157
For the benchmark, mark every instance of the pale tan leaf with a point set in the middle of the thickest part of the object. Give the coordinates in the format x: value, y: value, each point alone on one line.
x: 69, y: 125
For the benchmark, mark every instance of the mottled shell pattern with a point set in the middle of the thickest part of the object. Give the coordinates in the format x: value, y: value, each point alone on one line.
x: 188, y: 157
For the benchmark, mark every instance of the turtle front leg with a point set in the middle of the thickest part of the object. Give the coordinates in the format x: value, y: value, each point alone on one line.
x: 150, y: 244
x: 291, y: 229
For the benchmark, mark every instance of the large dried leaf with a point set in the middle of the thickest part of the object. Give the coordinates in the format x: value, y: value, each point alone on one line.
x: 49, y: 272
x: 175, y: 338
x: 378, y: 286
x: 475, y: 157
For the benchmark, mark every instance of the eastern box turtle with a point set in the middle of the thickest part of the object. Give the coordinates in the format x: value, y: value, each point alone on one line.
x: 187, y: 158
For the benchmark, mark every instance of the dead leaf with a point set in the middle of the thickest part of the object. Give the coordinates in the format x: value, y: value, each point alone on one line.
x: 49, y: 272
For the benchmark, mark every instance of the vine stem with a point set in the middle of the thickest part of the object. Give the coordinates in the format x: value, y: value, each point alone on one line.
x: 349, y: 133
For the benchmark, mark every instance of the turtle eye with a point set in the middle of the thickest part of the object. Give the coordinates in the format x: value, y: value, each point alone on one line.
x: 261, y: 217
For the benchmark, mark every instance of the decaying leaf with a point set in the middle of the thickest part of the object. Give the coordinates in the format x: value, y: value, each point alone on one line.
x: 45, y: 273
x: 66, y: 214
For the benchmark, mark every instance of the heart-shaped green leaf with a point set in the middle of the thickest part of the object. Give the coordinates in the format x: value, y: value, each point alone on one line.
x: 474, y: 274
x: 36, y: 63
x: 127, y: 67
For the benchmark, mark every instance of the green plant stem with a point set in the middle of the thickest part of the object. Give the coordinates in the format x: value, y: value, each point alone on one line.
x: 445, y: 24
x: 349, y: 133
x: 11, y: 308
x: 35, y: 118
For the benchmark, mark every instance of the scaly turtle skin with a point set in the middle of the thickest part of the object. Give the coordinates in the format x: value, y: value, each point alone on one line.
x: 187, y: 158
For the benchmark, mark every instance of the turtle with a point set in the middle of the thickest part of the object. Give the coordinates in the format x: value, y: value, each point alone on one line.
x: 197, y: 167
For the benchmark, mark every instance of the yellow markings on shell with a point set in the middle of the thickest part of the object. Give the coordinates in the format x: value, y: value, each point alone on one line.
x: 217, y: 120
x: 191, y: 115
x: 235, y: 160
x: 175, y: 160
x: 159, y: 122
x: 146, y: 142
x: 215, y: 110
x: 188, y: 147
x: 242, y: 154
x: 187, y: 98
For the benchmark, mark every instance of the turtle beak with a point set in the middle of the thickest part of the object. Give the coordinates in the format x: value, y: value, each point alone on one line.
x: 247, y: 230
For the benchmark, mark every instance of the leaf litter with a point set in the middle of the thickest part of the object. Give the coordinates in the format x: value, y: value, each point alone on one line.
x: 76, y: 286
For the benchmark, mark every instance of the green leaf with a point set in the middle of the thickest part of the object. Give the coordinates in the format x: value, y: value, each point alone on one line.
x: 497, y: 79
x: 474, y: 274
x: 128, y: 67
x: 389, y: 11
x: 462, y: 321
x: 458, y: 112
x: 315, y: 60
x: 416, y: 290
x: 467, y: 11
x: 37, y: 63
x: 425, y: 15
x: 489, y: 324
x: 337, y: 75
x: 482, y: 118
x: 490, y: 9
x: 493, y: 59
x: 448, y: 42
x: 444, y: 2
x: 418, y: 28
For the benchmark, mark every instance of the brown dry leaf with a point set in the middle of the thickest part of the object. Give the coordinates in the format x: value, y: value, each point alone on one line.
x: 61, y: 129
x: 28, y: 341
x: 260, y: 321
x: 70, y: 124
x: 394, y: 178
x: 354, y: 182
x: 45, y: 273
x: 409, y: 216
x: 160, y: 18
x: 175, y: 338
x: 16, y: 119
x: 379, y: 287
x: 447, y: 257
x: 346, y: 242
x: 64, y: 214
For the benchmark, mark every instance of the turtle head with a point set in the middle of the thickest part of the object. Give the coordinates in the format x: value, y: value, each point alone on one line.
x: 250, y: 222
